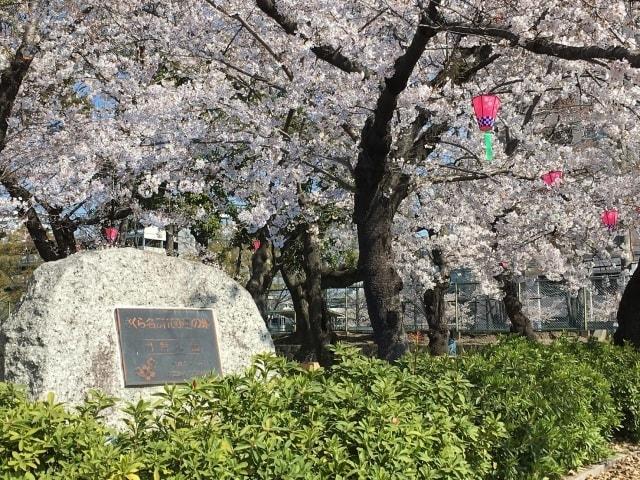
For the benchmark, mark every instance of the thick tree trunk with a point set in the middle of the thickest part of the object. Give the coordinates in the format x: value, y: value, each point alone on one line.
x: 318, y: 310
x: 294, y: 282
x: 11, y: 80
x: 312, y: 321
x: 382, y: 286
x: 381, y: 187
x: 262, y: 273
x: 520, y: 323
x: 629, y: 313
x: 434, y: 305
x: 238, y: 267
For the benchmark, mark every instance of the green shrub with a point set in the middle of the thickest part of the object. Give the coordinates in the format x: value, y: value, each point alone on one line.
x: 513, y: 411
x: 621, y: 366
x: 558, y: 412
x: 363, y: 419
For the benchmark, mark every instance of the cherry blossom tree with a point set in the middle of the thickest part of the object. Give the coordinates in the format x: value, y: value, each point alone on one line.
x: 372, y: 96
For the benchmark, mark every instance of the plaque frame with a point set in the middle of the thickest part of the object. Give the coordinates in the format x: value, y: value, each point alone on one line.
x: 129, y: 383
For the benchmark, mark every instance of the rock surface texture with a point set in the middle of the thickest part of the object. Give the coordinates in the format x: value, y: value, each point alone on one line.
x: 63, y: 336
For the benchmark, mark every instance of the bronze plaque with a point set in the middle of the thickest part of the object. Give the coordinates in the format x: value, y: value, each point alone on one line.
x: 166, y: 345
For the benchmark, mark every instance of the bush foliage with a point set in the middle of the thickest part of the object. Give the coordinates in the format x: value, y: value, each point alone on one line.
x: 513, y: 411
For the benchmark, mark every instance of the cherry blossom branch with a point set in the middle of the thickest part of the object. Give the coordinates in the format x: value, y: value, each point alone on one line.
x: 253, y: 76
x: 255, y: 35
x: 340, y: 181
x: 543, y: 46
x: 324, y: 52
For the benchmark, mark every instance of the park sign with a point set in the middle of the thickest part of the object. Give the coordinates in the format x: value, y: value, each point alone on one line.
x: 65, y: 336
x: 166, y: 345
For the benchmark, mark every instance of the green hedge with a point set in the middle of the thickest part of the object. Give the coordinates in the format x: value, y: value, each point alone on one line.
x: 513, y: 411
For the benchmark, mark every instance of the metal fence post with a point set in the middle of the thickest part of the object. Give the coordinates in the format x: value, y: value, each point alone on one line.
x: 584, y: 310
x: 456, y: 310
x: 591, y: 305
x: 346, y: 315
x: 357, y: 306
x: 539, y: 302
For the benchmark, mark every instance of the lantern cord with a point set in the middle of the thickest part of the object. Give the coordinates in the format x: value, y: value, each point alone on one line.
x: 488, y: 146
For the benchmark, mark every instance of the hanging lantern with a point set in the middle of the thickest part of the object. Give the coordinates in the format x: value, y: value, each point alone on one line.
x: 111, y: 234
x: 552, y: 177
x: 610, y: 218
x: 486, y: 109
x: 255, y: 244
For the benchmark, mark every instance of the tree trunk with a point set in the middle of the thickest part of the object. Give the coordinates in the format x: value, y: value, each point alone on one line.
x: 313, y: 338
x: 520, y: 323
x: 312, y: 319
x: 294, y: 282
x: 238, y: 267
x: 46, y: 248
x: 262, y: 273
x: 434, y: 305
x: 318, y: 311
x: 629, y: 313
x: 64, y: 233
x: 382, y: 286
x: 381, y: 187
x: 169, y: 240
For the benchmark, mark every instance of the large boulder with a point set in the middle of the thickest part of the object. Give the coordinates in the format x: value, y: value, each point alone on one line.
x: 63, y: 336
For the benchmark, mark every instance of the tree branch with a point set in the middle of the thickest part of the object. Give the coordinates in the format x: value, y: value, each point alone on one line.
x: 255, y: 35
x: 544, y: 46
x: 340, y: 278
x: 343, y: 183
x: 326, y: 52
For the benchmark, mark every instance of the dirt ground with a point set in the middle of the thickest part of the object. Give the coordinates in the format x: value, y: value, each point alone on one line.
x: 626, y: 469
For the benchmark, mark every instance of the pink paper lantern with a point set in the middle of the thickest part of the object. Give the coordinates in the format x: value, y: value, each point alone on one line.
x: 486, y: 109
x: 255, y: 244
x: 610, y: 218
x: 111, y: 234
x: 552, y: 177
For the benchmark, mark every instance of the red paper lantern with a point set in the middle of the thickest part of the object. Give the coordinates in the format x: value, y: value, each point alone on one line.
x: 552, y: 177
x: 610, y: 218
x: 111, y: 234
x: 255, y: 244
x: 486, y: 109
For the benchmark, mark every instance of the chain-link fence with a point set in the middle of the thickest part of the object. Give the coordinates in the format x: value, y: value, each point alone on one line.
x: 549, y: 305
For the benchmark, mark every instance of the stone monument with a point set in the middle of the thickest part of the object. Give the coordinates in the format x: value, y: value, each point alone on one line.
x: 79, y: 315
